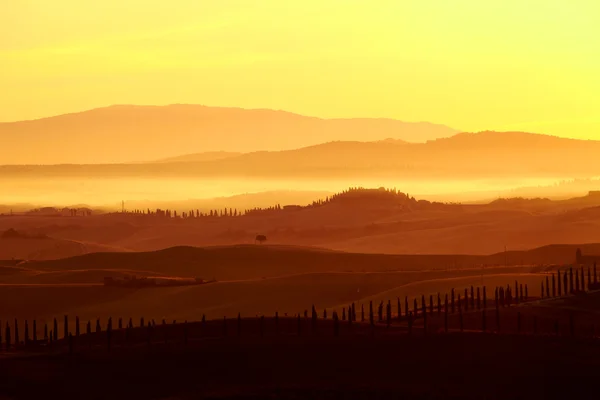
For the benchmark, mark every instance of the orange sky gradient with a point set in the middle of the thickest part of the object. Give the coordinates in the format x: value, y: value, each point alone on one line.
x: 470, y: 64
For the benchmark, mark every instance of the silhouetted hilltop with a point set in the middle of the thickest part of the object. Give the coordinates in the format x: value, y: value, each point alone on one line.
x: 128, y: 133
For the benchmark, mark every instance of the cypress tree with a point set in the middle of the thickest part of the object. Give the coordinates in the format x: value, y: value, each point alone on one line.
x: 547, y: 287
x: 526, y: 293
x: 466, y: 299
x: 446, y: 303
x: 458, y: 304
x: 571, y: 283
x: 389, y: 313
x: 324, y: 313
x: 89, y: 328
x: 336, y: 328
x: 542, y: 295
x: 446, y: 314
x: 76, y: 326
x: 371, y: 316
x: 343, y: 314
x: 142, y: 322
x: 424, y: 319
x: 55, y: 328
x: 478, y: 299
x: 484, y: 298
x: 108, y: 335
x: 120, y: 322
x: 399, y: 309
x: 130, y: 324
x: 16, y: 333
x: 380, y: 312
x: 7, y: 337
x: 559, y: 287
x: 406, y: 306
x: 98, y: 327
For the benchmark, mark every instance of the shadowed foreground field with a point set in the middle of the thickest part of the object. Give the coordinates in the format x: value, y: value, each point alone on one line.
x: 291, y: 295
x: 470, y: 366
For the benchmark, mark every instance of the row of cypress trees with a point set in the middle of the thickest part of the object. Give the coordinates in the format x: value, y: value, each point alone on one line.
x: 474, y: 298
x: 570, y: 281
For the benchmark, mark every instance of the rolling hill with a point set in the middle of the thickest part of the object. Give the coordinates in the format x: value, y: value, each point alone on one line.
x: 241, y: 262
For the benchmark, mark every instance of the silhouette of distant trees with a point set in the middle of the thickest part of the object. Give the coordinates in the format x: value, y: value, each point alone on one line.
x: 357, y: 196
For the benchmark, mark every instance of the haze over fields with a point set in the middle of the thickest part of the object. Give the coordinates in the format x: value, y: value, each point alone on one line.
x: 163, y: 156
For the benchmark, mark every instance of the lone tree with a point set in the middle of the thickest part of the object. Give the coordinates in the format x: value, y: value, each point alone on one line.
x: 260, y: 239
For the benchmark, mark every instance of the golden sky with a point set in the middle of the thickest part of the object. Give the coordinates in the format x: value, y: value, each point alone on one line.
x: 471, y: 64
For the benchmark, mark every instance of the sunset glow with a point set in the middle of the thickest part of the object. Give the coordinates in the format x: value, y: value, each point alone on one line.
x: 472, y: 65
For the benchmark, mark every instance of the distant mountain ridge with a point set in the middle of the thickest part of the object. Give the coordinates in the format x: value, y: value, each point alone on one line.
x: 480, y: 155
x: 128, y: 133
